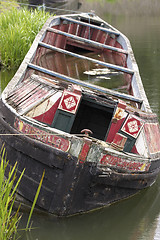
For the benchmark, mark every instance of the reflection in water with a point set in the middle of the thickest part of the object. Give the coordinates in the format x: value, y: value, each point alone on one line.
x: 53, y: 5
x: 5, y: 77
x: 85, y: 70
x: 132, y: 219
x: 137, y: 218
x: 147, y: 8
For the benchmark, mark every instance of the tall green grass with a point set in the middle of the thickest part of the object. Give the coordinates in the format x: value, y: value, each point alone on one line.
x: 18, y: 29
x: 6, y: 5
x: 9, y: 218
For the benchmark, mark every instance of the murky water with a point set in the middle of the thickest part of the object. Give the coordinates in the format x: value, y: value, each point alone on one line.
x: 137, y: 218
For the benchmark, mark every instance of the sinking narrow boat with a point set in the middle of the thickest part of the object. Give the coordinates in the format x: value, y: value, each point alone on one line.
x: 77, y: 109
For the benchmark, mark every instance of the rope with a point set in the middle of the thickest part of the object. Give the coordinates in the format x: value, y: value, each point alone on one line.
x: 43, y: 6
x: 40, y: 134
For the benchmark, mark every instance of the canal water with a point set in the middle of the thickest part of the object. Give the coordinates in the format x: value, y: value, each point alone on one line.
x: 136, y: 218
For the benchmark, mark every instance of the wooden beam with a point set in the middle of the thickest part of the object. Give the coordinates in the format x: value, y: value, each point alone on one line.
x: 110, y: 31
x: 108, y: 65
x: 84, y: 84
x: 88, y: 41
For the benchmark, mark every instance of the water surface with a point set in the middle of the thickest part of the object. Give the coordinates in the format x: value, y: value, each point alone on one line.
x: 137, y: 218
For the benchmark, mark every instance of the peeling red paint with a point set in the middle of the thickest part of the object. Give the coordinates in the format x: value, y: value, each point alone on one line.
x: 152, y: 135
x: 123, y: 163
x: 36, y: 133
x: 119, y: 141
x: 48, y: 116
x: 115, y: 126
x: 85, y: 149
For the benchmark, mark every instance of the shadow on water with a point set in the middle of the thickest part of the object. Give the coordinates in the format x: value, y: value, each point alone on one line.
x: 134, y: 218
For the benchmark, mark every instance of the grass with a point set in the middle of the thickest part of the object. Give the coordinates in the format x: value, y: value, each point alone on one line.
x: 6, y: 5
x: 10, y: 219
x: 34, y: 202
x: 18, y: 29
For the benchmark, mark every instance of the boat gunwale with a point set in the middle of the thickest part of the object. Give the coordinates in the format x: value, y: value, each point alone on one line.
x: 105, y: 147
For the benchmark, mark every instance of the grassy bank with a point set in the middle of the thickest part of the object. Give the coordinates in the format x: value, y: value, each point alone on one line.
x: 18, y: 29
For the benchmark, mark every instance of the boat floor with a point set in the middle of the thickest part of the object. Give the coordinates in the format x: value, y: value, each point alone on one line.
x: 85, y: 70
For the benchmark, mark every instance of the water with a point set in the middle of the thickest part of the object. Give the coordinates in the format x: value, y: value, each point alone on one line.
x: 137, y: 218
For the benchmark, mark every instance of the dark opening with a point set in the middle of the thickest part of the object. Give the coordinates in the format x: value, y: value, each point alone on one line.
x: 77, y: 49
x: 93, y: 116
x: 90, y: 21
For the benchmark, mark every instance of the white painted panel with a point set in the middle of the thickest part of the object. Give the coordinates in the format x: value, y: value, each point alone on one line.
x: 44, y: 106
x: 141, y: 145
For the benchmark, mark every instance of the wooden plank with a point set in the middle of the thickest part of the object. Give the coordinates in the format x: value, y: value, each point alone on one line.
x: 21, y: 95
x: 88, y: 41
x: 35, y: 103
x: 32, y: 98
x: 110, y: 31
x: 84, y: 84
x: 108, y: 65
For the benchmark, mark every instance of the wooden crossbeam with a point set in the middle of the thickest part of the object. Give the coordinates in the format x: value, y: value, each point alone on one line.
x: 108, y: 65
x: 110, y: 31
x: 88, y: 41
x: 84, y: 84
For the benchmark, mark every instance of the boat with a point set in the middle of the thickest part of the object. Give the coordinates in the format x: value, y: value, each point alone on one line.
x: 76, y: 109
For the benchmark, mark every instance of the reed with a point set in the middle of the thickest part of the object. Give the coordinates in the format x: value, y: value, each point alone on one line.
x: 6, y: 5
x: 34, y: 203
x: 18, y: 29
x: 10, y: 219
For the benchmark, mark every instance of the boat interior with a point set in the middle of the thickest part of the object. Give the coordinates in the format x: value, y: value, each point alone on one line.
x: 82, y: 52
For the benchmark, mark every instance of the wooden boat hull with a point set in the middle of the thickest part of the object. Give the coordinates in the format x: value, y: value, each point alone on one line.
x: 48, y: 103
x: 69, y: 187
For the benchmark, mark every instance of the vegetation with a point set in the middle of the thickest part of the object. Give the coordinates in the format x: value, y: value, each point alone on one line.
x: 9, y: 219
x: 18, y: 29
x: 6, y: 5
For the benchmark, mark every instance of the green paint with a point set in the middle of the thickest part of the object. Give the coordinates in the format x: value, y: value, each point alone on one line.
x: 63, y: 120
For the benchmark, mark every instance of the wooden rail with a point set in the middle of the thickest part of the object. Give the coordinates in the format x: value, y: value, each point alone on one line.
x: 108, y: 65
x: 91, y: 25
x: 84, y: 84
x: 88, y: 41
